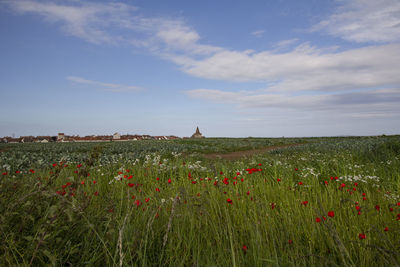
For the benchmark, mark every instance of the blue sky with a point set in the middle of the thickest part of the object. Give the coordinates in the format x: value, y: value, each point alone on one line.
x: 233, y: 68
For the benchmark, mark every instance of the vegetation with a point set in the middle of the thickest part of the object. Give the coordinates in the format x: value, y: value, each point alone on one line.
x: 328, y: 201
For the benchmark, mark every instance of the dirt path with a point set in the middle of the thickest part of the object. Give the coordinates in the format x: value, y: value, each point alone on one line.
x: 245, y: 153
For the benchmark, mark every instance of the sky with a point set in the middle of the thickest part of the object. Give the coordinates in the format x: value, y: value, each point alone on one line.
x: 233, y: 68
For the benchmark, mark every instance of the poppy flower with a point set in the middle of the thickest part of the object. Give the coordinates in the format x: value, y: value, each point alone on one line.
x: 244, y: 248
x: 158, y: 179
x: 290, y: 241
x: 363, y: 194
x: 147, y: 199
x: 82, y: 182
x: 386, y: 229
x: 94, y: 182
x: 4, y: 173
x: 362, y: 236
x: 131, y: 185
x: 296, y: 169
x: 17, y: 172
x: 229, y: 201
x: 377, y: 207
x: 358, y: 208
x: 157, y: 189
x: 273, y: 205
x: 79, y: 165
x: 259, y: 164
x: 278, y: 180
x: 194, y: 182
x: 326, y: 182
x: 331, y: 214
x: 304, y: 203
x: 318, y: 219
x: 96, y: 193
x: 300, y: 183
x: 169, y: 181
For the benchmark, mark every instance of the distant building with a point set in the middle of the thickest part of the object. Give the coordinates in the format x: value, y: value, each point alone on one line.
x: 60, y: 137
x: 116, y: 136
x: 197, y: 134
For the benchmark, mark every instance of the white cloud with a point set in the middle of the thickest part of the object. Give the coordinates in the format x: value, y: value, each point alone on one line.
x: 85, y: 20
x: 258, y: 33
x: 112, y: 87
x: 305, y: 68
x: 372, y: 103
x: 364, y: 21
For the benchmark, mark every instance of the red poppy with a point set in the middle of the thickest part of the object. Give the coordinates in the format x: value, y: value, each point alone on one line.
x: 300, y: 183
x: 259, y: 164
x: 318, y: 219
x: 194, y: 182
x: 364, y: 198
x: 362, y: 236
x: 304, y: 203
x: 131, y: 185
x: 356, y: 184
x: 158, y: 179
x: 386, y: 229
x: 82, y: 182
x: 244, y: 248
x: 331, y: 214
x: 157, y: 189
x: 326, y: 182
x: 79, y: 165
x: 377, y: 207
x: 221, y: 173
x: 4, y: 173
x: 94, y: 182
x: 398, y: 204
x: 229, y: 201
x: 363, y: 194
x: 17, y: 172
x: 138, y: 203
x: 342, y: 185
x: 358, y: 208
x: 216, y: 183
x: 147, y: 199
x: 278, y: 180
x: 96, y: 193
x: 296, y: 169
x: 32, y: 171
x: 169, y: 181
x: 273, y: 205
x: 290, y: 241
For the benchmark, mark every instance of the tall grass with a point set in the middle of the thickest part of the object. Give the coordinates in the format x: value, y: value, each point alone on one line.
x: 189, y: 221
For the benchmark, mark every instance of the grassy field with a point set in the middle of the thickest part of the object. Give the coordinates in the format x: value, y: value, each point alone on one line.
x: 325, y: 202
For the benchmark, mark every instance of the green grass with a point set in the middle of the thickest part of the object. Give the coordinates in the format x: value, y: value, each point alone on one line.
x: 192, y: 224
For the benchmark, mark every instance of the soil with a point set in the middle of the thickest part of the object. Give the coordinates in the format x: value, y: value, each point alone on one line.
x: 246, y: 153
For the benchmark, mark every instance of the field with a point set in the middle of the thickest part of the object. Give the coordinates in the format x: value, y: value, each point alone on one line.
x: 306, y: 202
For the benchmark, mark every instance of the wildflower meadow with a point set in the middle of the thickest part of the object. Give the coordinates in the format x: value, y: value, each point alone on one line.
x: 306, y: 202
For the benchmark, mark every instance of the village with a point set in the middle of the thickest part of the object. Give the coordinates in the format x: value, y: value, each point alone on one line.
x: 61, y: 137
